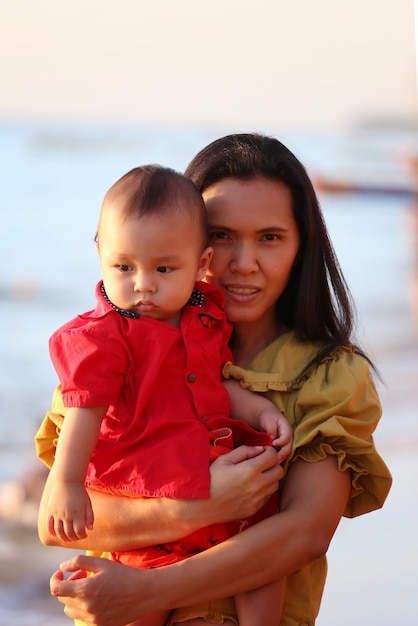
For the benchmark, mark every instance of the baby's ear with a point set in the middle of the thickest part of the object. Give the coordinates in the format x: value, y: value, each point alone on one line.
x: 204, y: 263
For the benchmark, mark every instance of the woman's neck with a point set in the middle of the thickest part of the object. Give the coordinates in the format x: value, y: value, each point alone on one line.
x: 249, y: 339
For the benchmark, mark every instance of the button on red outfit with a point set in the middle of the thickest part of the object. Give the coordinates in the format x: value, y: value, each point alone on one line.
x: 164, y: 391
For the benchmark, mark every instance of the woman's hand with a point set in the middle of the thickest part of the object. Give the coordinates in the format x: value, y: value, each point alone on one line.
x: 101, y: 592
x: 242, y: 481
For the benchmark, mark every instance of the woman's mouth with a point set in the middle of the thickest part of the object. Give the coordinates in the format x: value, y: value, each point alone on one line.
x: 241, y: 293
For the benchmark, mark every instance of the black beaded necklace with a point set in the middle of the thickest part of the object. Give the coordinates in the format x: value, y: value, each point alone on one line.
x: 196, y: 299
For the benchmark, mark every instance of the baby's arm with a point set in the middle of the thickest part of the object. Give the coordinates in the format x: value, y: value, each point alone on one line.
x: 69, y: 507
x: 260, y: 413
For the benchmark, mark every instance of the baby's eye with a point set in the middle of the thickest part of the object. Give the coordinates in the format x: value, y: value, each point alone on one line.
x: 164, y: 269
x: 124, y: 268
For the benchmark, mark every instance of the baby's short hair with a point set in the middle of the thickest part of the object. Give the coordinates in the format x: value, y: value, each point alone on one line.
x: 154, y: 189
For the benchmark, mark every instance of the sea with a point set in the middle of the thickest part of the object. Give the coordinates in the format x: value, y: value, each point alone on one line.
x: 52, y: 180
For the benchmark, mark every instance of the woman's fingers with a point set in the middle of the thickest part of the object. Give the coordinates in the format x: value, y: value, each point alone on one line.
x: 101, y: 592
x: 250, y: 474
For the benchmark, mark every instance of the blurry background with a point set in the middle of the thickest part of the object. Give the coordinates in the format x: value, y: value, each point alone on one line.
x: 268, y: 65
x: 91, y: 89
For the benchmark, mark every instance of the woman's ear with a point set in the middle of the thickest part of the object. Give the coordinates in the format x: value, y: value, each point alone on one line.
x: 204, y: 263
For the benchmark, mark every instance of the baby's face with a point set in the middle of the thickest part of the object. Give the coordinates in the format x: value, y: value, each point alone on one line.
x: 150, y: 264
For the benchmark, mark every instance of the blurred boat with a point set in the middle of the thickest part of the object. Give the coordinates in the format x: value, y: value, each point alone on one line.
x: 328, y: 185
x: 407, y: 189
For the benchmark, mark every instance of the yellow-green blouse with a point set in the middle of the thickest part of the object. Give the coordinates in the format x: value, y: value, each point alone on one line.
x: 334, y: 409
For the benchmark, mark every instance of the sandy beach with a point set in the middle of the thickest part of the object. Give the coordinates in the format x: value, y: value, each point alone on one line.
x: 373, y: 559
x: 26, y: 564
x: 25, y: 569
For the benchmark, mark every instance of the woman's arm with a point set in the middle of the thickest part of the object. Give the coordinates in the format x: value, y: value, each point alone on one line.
x: 313, y: 501
x: 251, y: 474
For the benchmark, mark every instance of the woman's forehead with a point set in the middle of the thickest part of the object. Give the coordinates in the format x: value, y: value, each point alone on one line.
x: 235, y: 187
x: 258, y: 199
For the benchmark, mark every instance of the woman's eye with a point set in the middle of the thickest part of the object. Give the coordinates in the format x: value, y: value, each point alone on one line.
x: 270, y: 237
x: 218, y: 235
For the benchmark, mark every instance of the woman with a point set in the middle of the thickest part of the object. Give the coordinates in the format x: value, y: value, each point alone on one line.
x: 292, y: 315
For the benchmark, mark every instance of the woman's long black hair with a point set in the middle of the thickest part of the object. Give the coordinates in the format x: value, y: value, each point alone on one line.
x: 317, y: 302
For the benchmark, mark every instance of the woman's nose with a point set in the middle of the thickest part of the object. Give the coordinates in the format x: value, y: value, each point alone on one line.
x: 244, y: 259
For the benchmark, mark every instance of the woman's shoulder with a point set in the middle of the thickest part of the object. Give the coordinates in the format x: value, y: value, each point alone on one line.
x: 333, y: 407
x: 286, y: 364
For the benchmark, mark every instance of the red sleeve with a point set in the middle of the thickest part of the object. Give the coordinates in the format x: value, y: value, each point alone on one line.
x: 91, y: 363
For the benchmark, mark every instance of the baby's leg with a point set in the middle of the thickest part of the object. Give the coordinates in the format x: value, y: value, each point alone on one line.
x: 214, y: 612
x: 155, y: 619
x: 262, y: 606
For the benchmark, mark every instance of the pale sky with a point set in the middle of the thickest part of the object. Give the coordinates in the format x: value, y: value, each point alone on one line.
x: 295, y: 64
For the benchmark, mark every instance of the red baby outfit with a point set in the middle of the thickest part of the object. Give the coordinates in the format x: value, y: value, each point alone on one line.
x: 168, y: 413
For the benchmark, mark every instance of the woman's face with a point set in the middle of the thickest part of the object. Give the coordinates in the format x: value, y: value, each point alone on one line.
x: 255, y: 240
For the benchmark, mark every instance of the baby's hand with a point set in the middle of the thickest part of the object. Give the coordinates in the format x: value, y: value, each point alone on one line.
x: 273, y: 422
x: 70, y: 512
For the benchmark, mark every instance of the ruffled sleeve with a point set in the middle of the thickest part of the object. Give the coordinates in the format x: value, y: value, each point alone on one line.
x: 334, y: 410
x: 47, y: 435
